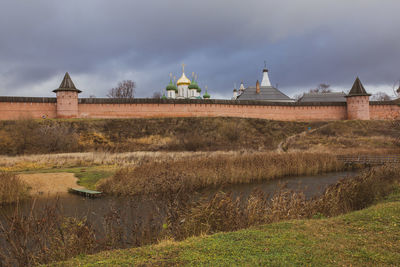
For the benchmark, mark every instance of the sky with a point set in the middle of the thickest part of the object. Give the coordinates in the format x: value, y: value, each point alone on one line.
x: 102, y: 42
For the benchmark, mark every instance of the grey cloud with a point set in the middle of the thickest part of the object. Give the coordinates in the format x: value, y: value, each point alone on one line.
x: 305, y: 42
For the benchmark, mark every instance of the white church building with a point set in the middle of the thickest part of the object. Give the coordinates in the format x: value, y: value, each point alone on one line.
x: 184, y: 88
x: 263, y: 92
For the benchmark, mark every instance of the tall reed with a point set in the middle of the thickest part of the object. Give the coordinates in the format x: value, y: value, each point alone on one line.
x: 48, y: 235
x: 185, y: 175
x: 224, y: 212
x: 12, y: 188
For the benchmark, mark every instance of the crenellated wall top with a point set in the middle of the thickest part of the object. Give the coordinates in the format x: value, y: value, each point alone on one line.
x: 200, y: 101
x: 20, y: 99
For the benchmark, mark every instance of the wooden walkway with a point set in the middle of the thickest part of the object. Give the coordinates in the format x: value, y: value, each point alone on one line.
x: 370, y: 160
x: 85, y: 192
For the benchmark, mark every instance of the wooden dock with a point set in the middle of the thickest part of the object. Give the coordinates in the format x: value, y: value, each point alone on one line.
x: 370, y: 160
x: 85, y: 192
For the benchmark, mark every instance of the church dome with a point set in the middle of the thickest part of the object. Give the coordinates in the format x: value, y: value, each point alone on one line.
x: 183, y: 80
x: 206, y: 95
x: 198, y: 89
x: 193, y: 85
x: 171, y: 87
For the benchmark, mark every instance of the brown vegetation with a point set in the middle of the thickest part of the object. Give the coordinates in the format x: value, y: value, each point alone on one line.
x: 186, y: 175
x: 191, y: 134
x: 349, y: 137
x: 49, y: 183
x: 123, y: 135
x: 112, y: 160
x: 46, y: 236
x: 12, y: 188
x: 224, y: 212
x: 30, y: 136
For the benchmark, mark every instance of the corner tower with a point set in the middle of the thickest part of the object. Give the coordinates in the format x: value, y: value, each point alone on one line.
x: 357, y: 102
x: 67, y: 98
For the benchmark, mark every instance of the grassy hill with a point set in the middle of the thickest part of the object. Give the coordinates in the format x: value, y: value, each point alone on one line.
x: 190, y: 134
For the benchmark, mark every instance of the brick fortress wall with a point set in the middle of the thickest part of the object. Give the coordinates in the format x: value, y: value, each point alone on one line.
x: 14, y: 108
x: 29, y: 107
x: 104, y: 108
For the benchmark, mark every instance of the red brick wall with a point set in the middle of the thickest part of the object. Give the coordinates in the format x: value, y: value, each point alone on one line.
x: 17, y: 110
x: 67, y: 104
x: 358, y: 108
x: 384, y: 112
x: 21, y: 110
x: 272, y: 112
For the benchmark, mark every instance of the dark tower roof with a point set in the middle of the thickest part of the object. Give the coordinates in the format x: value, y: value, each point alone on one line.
x: 358, y: 89
x: 67, y: 85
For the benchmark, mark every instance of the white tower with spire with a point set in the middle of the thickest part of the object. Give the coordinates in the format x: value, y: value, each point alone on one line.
x: 265, y: 80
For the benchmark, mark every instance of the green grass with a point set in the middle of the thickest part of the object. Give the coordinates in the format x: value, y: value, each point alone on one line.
x: 370, y: 237
x: 88, y: 176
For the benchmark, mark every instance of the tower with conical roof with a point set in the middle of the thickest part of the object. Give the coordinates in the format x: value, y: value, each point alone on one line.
x: 67, y: 98
x: 358, y: 102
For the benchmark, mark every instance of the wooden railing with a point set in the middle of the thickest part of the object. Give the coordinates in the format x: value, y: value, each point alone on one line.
x: 370, y: 160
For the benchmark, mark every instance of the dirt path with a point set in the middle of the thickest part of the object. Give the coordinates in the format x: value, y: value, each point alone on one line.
x: 50, y: 183
x: 289, y: 138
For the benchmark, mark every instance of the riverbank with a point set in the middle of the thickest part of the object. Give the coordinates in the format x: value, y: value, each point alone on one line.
x: 368, y: 237
x: 57, y: 236
x: 49, y: 184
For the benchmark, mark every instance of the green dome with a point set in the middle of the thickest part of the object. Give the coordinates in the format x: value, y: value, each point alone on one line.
x: 193, y: 85
x: 206, y: 95
x: 163, y: 97
x: 171, y: 87
x: 199, y: 90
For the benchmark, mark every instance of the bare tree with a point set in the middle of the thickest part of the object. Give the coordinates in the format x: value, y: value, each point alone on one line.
x: 157, y: 95
x: 381, y: 96
x: 321, y: 88
x: 125, y: 89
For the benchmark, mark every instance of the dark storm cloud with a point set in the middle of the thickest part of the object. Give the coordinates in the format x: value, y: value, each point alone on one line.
x: 101, y: 42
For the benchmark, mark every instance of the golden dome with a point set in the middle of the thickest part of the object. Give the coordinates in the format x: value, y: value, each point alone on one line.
x: 183, y: 80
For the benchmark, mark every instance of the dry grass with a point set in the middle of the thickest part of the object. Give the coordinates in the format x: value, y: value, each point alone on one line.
x: 349, y: 137
x: 127, y: 135
x: 185, y: 175
x: 224, y: 212
x: 67, y: 160
x: 48, y: 184
x: 12, y: 188
x: 49, y: 236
